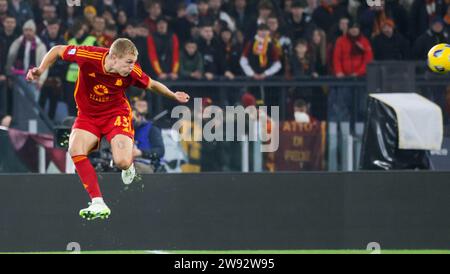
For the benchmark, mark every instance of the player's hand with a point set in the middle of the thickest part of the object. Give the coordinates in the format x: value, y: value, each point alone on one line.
x: 33, y: 74
x: 181, y: 97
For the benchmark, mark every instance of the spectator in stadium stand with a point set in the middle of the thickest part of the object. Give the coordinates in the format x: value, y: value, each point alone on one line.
x: 212, y: 55
x: 98, y: 30
x: 162, y: 53
x: 48, y: 14
x: 309, y: 10
x: 110, y: 35
x: 26, y: 52
x: 232, y: 53
x: 282, y: 42
x: 260, y: 58
x: 351, y: 55
x: 329, y: 12
x: 191, y: 62
x: 142, y: 30
x: 5, y: 120
x: 371, y: 18
x: 204, y: 14
x: 336, y: 31
x: 447, y: 19
x: 90, y: 12
x: 421, y: 14
x: 80, y: 36
x: 170, y: 7
x: 107, y: 5
x: 302, y: 112
x: 390, y: 44
x: 302, y: 61
x: 149, y: 145
x: 69, y: 16
x: 318, y: 46
x: 109, y: 17
x: 181, y: 25
x: 298, y: 25
x: 7, y: 36
x: 398, y: 13
x: 122, y: 21
x: 3, y: 10
x: 216, y: 12
x: 53, y: 87
x: 218, y: 26
x: 436, y: 34
x: 21, y: 10
x: 192, y: 15
x: 154, y: 11
x: 3, y: 79
x: 265, y: 9
x: 241, y: 15
x: 212, y: 152
x: 287, y: 5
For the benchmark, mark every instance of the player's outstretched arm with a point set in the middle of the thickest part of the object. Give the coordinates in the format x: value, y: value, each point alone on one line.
x: 50, y: 58
x: 160, y: 88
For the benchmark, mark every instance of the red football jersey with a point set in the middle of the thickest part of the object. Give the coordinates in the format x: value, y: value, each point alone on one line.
x: 98, y: 93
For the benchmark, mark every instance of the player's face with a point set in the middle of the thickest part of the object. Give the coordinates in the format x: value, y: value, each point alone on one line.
x: 125, y: 64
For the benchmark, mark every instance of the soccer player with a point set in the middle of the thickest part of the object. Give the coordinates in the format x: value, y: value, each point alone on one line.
x: 103, y: 109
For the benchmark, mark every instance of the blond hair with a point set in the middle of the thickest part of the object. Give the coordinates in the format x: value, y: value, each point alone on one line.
x: 123, y: 46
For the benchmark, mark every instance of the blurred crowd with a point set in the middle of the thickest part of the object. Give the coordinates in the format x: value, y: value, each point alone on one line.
x: 214, y: 39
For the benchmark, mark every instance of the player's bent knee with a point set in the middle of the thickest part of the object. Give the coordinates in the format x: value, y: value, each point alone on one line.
x: 75, y: 151
x: 123, y: 163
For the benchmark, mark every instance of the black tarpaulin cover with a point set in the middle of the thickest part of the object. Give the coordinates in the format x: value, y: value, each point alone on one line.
x: 379, y: 149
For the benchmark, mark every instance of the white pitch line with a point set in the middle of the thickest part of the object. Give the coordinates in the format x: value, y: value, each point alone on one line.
x: 157, y: 252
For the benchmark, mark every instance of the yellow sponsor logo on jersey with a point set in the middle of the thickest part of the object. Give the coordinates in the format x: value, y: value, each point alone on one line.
x: 101, y: 90
x: 119, y: 82
x: 92, y: 74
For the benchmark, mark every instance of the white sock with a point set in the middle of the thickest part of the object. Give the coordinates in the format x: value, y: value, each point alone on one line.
x: 98, y: 200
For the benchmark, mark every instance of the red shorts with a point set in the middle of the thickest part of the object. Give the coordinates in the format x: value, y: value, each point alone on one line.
x: 109, y: 126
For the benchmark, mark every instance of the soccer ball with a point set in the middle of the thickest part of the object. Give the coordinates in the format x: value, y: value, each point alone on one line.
x: 439, y: 58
